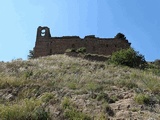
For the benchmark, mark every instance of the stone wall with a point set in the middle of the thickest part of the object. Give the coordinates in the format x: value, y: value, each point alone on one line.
x: 47, y: 45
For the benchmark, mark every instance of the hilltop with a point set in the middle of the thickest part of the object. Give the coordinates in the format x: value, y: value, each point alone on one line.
x: 60, y: 87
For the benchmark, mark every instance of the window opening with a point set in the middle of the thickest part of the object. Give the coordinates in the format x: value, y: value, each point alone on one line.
x: 43, y: 32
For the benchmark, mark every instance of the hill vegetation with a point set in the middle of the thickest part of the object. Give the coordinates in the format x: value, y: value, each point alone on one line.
x: 59, y: 87
x: 129, y: 57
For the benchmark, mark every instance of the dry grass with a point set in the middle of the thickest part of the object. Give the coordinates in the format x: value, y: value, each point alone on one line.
x: 57, y: 76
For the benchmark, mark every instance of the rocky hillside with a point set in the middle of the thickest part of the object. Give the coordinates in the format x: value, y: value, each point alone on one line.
x: 59, y: 87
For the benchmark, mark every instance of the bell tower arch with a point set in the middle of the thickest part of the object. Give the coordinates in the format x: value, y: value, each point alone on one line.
x: 43, y: 32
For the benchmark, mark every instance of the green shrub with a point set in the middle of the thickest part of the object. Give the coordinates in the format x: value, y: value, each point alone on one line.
x: 127, y: 83
x: 102, y: 96
x: 128, y: 57
x: 72, y: 85
x: 152, y: 84
x: 73, y: 114
x: 94, y: 87
x: 41, y: 114
x: 102, y: 116
x: 28, y: 74
x: 142, y: 99
x: 81, y: 50
x: 66, y: 103
x: 10, y: 81
x: 47, y: 96
x: 27, y: 109
x: 31, y: 54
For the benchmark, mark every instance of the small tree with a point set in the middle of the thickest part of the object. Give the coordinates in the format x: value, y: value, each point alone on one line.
x: 120, y: 36
x: 31, y: 54
x: 128, y: 57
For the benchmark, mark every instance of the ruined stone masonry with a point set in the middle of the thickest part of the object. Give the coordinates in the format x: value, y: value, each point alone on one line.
x: 47, y: 45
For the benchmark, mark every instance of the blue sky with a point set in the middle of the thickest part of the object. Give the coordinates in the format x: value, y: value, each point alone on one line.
x: 139, y: 20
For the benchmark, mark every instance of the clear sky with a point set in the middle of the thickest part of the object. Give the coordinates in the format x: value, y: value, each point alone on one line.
x: 139, y: 20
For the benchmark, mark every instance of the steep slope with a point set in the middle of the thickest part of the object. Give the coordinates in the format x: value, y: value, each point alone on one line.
x: 59, y: 87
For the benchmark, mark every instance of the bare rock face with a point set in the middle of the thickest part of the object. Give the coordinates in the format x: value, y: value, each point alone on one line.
x: 122, y: 114
x: 123, y: 104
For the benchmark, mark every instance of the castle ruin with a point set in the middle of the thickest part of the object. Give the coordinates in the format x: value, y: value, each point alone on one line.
x: 47, y: 45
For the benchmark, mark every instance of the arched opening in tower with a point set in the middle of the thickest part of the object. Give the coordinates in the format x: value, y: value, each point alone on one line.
x: 43, y: 32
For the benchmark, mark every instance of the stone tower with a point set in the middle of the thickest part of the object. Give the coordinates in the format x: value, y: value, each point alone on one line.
x: 42, y: 41
x: 43, y: 32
